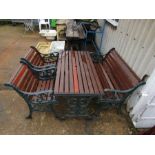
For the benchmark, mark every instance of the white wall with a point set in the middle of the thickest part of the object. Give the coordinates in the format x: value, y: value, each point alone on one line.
x: 135, y: 42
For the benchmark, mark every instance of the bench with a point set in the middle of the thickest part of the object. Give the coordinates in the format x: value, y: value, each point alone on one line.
x: 43, y: 67
x: 80, y: 88
x: 77, y: 84
x: 117, y: 79
x: 38, y: 94
x: 82, y: 82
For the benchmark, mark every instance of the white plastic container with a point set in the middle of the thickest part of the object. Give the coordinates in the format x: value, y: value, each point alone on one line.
x: 50, y: 34
x: 43, y: 32
x: 57, y: 46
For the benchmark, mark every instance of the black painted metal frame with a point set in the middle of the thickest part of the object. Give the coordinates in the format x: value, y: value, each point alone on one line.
x: 39, y: 96
x: 42, y: 72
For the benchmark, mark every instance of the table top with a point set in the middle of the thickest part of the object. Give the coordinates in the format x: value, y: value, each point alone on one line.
x: 76, y: 74
x: 76, y: 32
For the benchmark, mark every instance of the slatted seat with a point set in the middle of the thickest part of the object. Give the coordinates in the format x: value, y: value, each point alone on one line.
x: 76, y: 75
x: 36, y: 93
x: 44, y: 67
x: 118, y: 80
x: 38, y: 59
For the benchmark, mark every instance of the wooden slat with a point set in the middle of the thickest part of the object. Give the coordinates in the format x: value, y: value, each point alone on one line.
x: 19, y: 75
x: 106, y: 77
x: 62, y: 78
x: 29, y: 56
x: 124, y: 73
x: 29, y: 83
x: 70, y: 74
x: 93, y: 81
x: 83, y: 74
x: 101, y: 76
x: 110, y: 75
x: 23, y: 83
x: 122, y: 76
x: 81, y: 90
x: 115, y: 73
x: 91, y: 90
x: 126, y: 68
x: 66, y: 73
x: 32, y: 82
x: 75, y: 74
x: 58, y: 74
x: 97, y: 81
x: 36, y: 60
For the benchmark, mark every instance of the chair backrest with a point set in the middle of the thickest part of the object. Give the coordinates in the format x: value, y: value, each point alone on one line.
x: 119, y: 71
x: 24, y: 79
x: 44, y: 21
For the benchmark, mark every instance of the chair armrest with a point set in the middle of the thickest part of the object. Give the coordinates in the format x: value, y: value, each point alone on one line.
x: 51, y: 91
x: 23, y: 60
x: 125, y: 91
x: 38, y: 68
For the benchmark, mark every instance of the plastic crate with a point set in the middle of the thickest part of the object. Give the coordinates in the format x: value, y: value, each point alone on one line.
x: 44, y: 47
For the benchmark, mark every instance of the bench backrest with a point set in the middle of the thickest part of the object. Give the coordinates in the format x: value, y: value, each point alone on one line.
x: 34, y: 57
x: 121, y: 75
x: 24, y: 79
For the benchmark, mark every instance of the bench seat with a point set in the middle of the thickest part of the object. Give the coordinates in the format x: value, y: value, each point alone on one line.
x: 35, y: 92
x: 43, y: 67
x: 118, y: 80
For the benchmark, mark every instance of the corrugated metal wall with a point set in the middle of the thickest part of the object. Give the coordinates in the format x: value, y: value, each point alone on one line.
x: 135, y: 42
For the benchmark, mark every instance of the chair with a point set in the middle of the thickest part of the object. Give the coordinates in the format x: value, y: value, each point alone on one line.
x: 28, y: 24
x: 45, y: 22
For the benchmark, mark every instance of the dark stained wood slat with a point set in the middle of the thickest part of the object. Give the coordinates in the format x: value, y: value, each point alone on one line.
x: 106, y: 81
x: 58, y: 74
x: 125, y: 80
x: 29, y: 83
x: 32, y: 85
x: 81, y: 90
x: 66, y: 73
x: 110, y: 75
x: 71, y: 87
x: 36, y: 60
x: 101, y: 77
x: 62, y: 78
x: 117, y: 77
x: 91, y: 74
x: 18, y: 77
x: 85, y: 82
x: 23, y: 83
x: 128, y: 78
x: 106, y: 77
x: 127, y: 70
x: 91, y: 90
x: 75, y: 73
x: 31, y: 58
x: 96, y: 82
